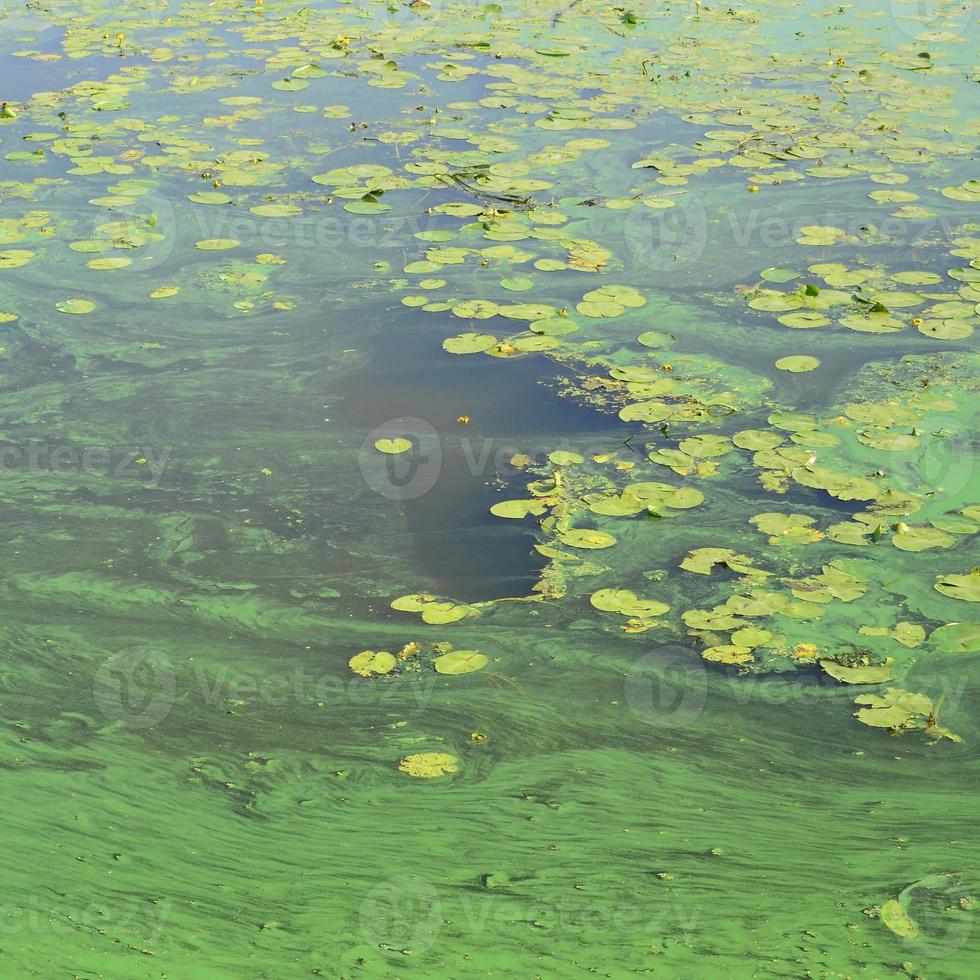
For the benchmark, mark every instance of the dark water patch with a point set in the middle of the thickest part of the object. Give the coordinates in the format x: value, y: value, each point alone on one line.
x: 511, y: 408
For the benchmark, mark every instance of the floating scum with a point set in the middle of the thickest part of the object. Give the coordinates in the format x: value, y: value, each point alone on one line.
x: 747, y: 236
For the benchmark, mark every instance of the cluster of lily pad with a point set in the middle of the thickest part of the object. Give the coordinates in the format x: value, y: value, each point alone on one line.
x: 512, y: 242
x: 442, y: 656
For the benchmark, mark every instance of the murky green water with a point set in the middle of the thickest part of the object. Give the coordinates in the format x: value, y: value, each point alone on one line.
x: 547, y: 257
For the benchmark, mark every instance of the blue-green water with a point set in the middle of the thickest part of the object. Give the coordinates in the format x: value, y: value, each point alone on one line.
x: 563, y: 250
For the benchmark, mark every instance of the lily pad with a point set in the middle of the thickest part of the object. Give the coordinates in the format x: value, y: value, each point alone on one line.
x: 217, y: 244
x: 75, y: 306
x: 857, y: 675
x: 429, y: 765
x: 469, y: 343
x: 965, y: 587
x: 587, y: 539
x: 369, y: 662
x: 460, y: 662
x: 393, y: 447
x: 798, y: 363
x: 956, y: 638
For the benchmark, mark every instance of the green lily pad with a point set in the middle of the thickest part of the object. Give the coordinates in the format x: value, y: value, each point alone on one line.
x: 216, y: 244
x: 469, y: 343
x: 627, y: 603
x: 209, y: 197
x: 476, y: 309
x: 804, y: 320
x: 518, y: 509
x: 276, y: 210
x: 12, y: 258
x: 798, y: 363
x: 776, y: 274
x: 75, y: 306
x: 393, y: 447
x: 460, y: 662
x: 368, y: 663
x: 587, y: 539
x: 429, y: 765
x: 894, y: 917
x: 656, y: 339
x: 872, y: 674
x: 965, y: 587
x: 922, y: 538
x: 956, y: 638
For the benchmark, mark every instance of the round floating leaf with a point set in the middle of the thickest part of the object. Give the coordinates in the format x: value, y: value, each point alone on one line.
x: 805, y: 320
x: 556, y: 326
x: 276, y: 210
x: 476, y: 309
x: 892, y: 442
x: 217, y: 244
x: 393, y: 447
x: 11, y: 258
x: 415, y: 602
x: 75, y: 306
x: 956, y: 638
x: 627, y: 603
x: 728, y: 654
x: 527, y: 311
x: 366, y: 207
x: 460, y: 662
x: 922, y: 539
x: 894, y: 917
x: 751, y: 636
x: 368, y: 663
x: 438, y: 613
x: 707, y: 446
x: 945, y: 329
x: 917, y: 278
x: 798, y: 363
x: 469, y: 343
x: 518, y: 509
x: 584, y: 538
x: 209, y: 197
x: 872, y: 323
x: 757, y: 439
x: 91, y: 245
x: 563, y: 457
x: 429, y: 765
x: 538, y: 342
x: 775, y: 274
x: 965, y: 587
x: 655, y: 339
x: 773, y: 301
x: 459, y: 209
x: 118, y: 262
x: 857, y: 675
x: 618, y: 506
